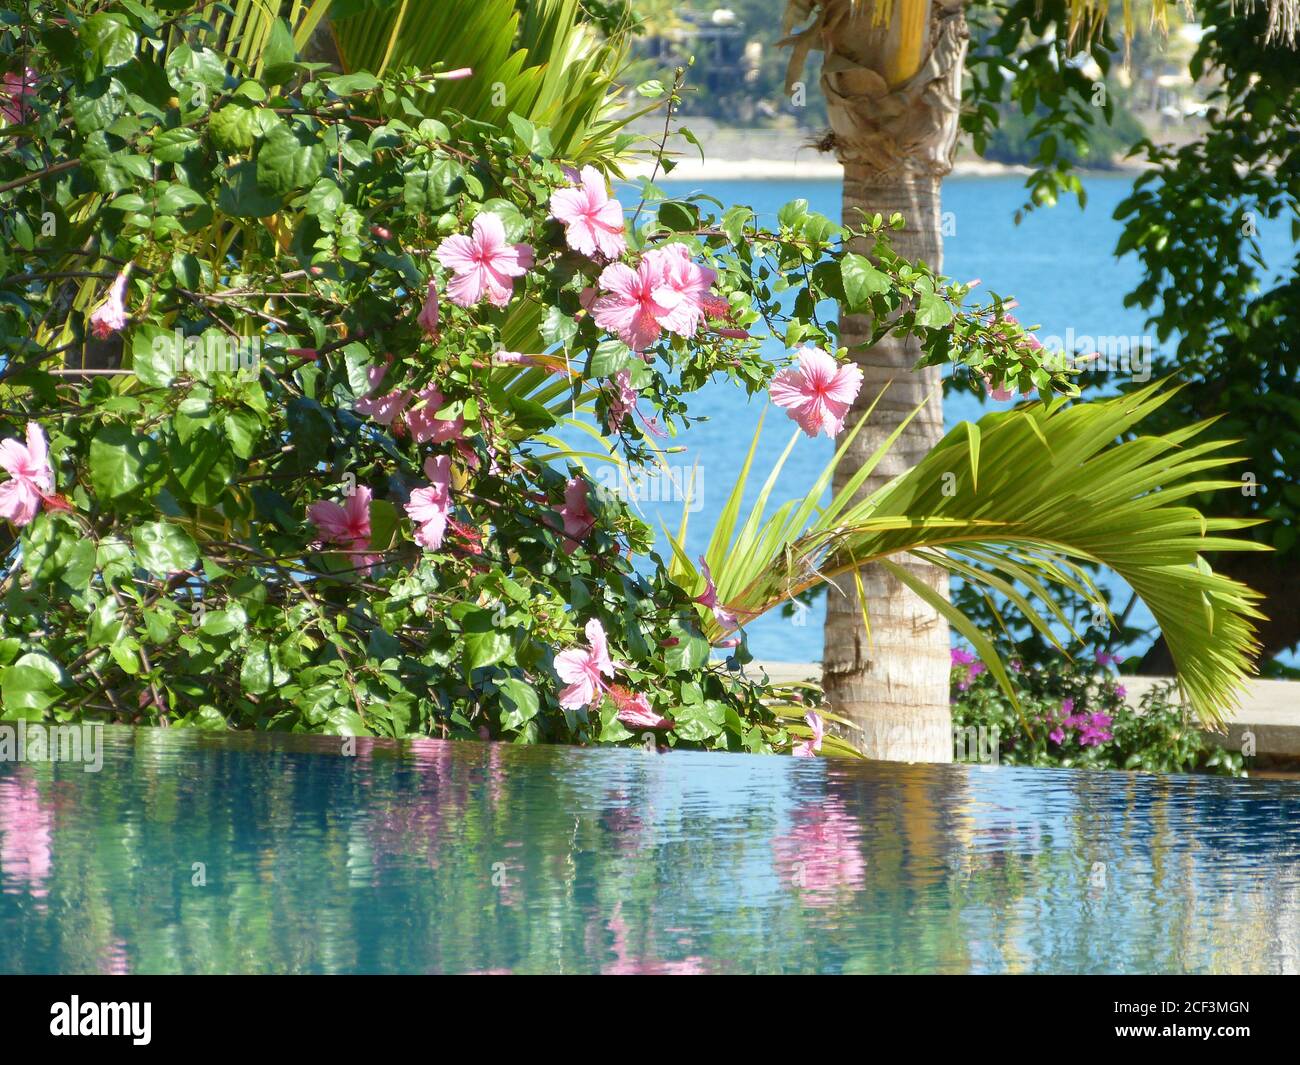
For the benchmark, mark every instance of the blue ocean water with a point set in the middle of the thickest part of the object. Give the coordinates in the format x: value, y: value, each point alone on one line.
x: 1058, y: 263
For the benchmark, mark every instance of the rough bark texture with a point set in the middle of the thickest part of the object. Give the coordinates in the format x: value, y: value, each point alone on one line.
x: 896, y: 145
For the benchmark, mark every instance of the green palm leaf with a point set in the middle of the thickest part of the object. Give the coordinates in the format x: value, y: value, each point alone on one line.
x: 1017, y: 505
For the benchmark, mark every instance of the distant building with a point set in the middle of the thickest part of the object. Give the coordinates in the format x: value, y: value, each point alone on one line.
x: 724, y: 59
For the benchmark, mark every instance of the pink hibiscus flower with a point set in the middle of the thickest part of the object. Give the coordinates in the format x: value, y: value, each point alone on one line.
x: 381, y: 408
x: 583, y: 669
x: 819, y: 393
x: 32, y: 477
x: 688, y: 281
x: 622, y: 400
x: 429, y: 507
x: 348, y: 525
x: 428, y: 316
x: 593, y: 223
x: 15, y: 90
x: 998, y: 392
x: 576, y: 514
x: 424, y: 423
x: 110, y: 316
x: 665, y: 291
x: 721, y: 614
x: 636, y: 303
x: 811, y: 746
x: 484, y: 264
x: 634, y: 710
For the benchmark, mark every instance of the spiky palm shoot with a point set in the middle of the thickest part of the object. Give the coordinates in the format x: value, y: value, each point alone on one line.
x: 1016, y: 503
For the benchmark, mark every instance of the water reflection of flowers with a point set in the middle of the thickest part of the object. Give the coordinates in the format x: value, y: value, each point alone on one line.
x: 821, y: 854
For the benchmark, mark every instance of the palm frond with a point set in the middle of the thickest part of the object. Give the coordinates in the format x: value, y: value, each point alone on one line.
x: 1017, y: 507
x: 544, y: 64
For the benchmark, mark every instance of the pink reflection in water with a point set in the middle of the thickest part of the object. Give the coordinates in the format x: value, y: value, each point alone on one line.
x: 25, y: 831
x: 623, y: 965
x: 114, y: 961
x: 821, y: 854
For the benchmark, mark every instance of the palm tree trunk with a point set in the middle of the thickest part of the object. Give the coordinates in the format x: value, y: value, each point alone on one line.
x: 893, y: 94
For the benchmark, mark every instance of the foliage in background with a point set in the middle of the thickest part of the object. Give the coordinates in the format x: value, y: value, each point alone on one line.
x: 1018, y: 138
x: 1233, y: 321
x: 1071, y: 718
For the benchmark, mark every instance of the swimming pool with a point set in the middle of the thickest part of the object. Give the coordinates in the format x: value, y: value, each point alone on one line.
x: 193, y: 852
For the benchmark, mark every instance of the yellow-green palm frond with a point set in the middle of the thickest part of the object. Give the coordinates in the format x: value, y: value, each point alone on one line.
x: 544, y: 63
x: 1017, y: 503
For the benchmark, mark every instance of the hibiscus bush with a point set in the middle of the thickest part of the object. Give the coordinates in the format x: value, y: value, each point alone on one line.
x: 293, y: 370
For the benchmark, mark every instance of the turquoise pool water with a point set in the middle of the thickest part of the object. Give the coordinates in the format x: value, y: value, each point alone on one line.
x: 230, y: 853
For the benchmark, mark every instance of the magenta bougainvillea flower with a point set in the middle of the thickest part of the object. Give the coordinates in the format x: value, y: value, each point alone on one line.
x: 429, y: 507
x: 348, y: 525
x: 1095, y: 730
x: 593, y: 223
x: 1092, y: 729
x: 721, y: 614
x: 576, y: 514
x: 428, y: 316
x: 484, y: 264
x: 31, y: 477
x: 809, y: 747
x: 819, y: 393
x: 974, y: 667
x: 424, y: 423
x: 583, y: 669
x: 110, y: 316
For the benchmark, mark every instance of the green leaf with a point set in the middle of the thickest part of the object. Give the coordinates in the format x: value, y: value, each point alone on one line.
x: 233, y: 128
x: 291, y: 158
x: 558, y: 327
x: 242, y: 196
x: 108, y: 41
x: 155, y: 355
x: 609, y: 357
x: 427, y: 191
x: 278, y: 56
x: 691, y: 652
x: 164, y: 548
x: 933, y: 311
x: 861, y: 280
x: 261, y: 670
x: 520, y: 703
x: 122, y: 462
x: 679, y: 217
x: 31, y: 683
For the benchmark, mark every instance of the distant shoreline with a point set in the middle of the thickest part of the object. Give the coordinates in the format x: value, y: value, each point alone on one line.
x: 817, y: 169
